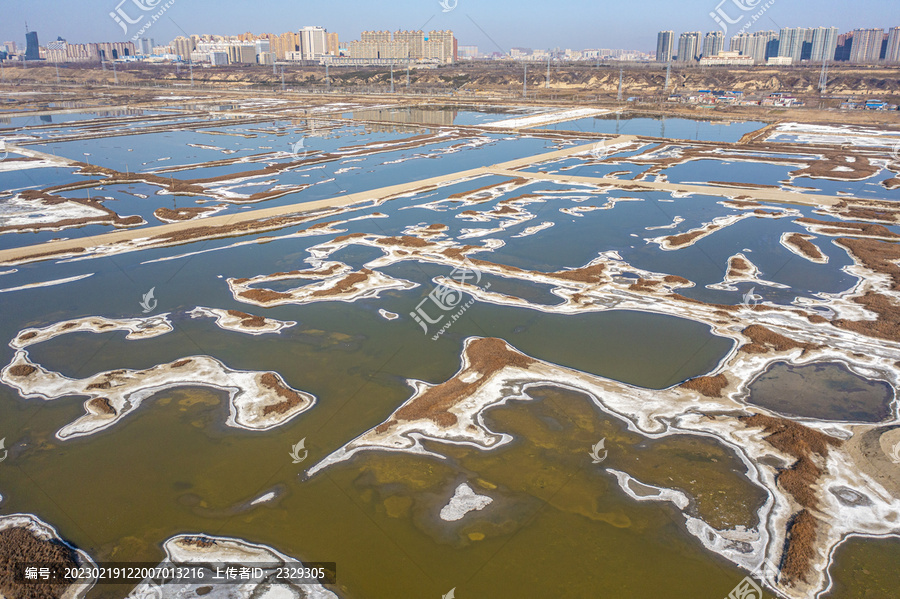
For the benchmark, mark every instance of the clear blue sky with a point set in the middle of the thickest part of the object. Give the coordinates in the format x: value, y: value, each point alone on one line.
x: 573, y: 24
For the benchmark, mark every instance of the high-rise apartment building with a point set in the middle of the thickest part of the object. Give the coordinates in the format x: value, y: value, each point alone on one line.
x: 182, y: 46
x: 665, y: 46
x: 790, y: 43
x: 713, y: 43
x: 866, y: 48
x: 440, y: 46
x: 332, y: 44
x: 312, y: 42
x: 760, y: 45
x: 824, y: 44
x: 893, y: 46
x: 689, y: 46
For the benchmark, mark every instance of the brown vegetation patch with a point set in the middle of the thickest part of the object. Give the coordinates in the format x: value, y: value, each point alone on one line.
x: 763, y: 340
x: 585, y: 274
x: 264, y: 296
x: 843, y: 228
x: 861, y: 168
x: 799, y: 546
x: 710, y: 386
x: 103, y: 385
x: 676, y: 279
x: 404, y: 241
x: 887, y: 326
x: 738, y: 267
x: 27, y: 336
x: 346, y: 284
x: 101, y: 405
x: 290, y: 397
x: 348, y: 237
x: 643, y: 285
x: 248, y: 320
x: 805, y: 246
x: 676, y: 241
x: 881, y: 257
x: 486, y: 356
x: 22, y: 370
x: 20, y: 546
x: 807, y: 446
x: 181, y: 363
x: 802, y: 443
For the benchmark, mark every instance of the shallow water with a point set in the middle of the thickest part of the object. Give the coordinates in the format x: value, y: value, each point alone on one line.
x: 824, y: 391
x: 558, y: 522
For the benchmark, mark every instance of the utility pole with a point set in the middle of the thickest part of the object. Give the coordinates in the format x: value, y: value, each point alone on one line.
x: 282, y: 79
x: 392, y: 77
x: 525, y: 82
x: 407, y: 73
x: 668, y: 75
x: 191, y: 67
x: 547, y: 85
x: 823, y: 77
x: 115, y: 74
x: 327, y: 78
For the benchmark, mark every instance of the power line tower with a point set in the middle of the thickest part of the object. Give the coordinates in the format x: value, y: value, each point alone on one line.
x: 823, y: 77
x: 525, y: 82
x: 621, y: 70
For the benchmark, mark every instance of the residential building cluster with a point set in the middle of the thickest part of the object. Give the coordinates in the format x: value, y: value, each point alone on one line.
x: 313, y: 45
x: 790, y: 45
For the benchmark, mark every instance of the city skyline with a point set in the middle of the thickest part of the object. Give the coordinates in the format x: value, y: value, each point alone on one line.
x: 495, y: 28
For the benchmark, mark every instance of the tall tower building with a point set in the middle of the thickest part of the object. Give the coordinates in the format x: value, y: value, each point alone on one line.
x: 713, y: 43
x: 824, y: 44
x: 689, y: 47
x: 33, y: 49
x: 866, y: 48
x: 893, y: 46
x: 665, y: 46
